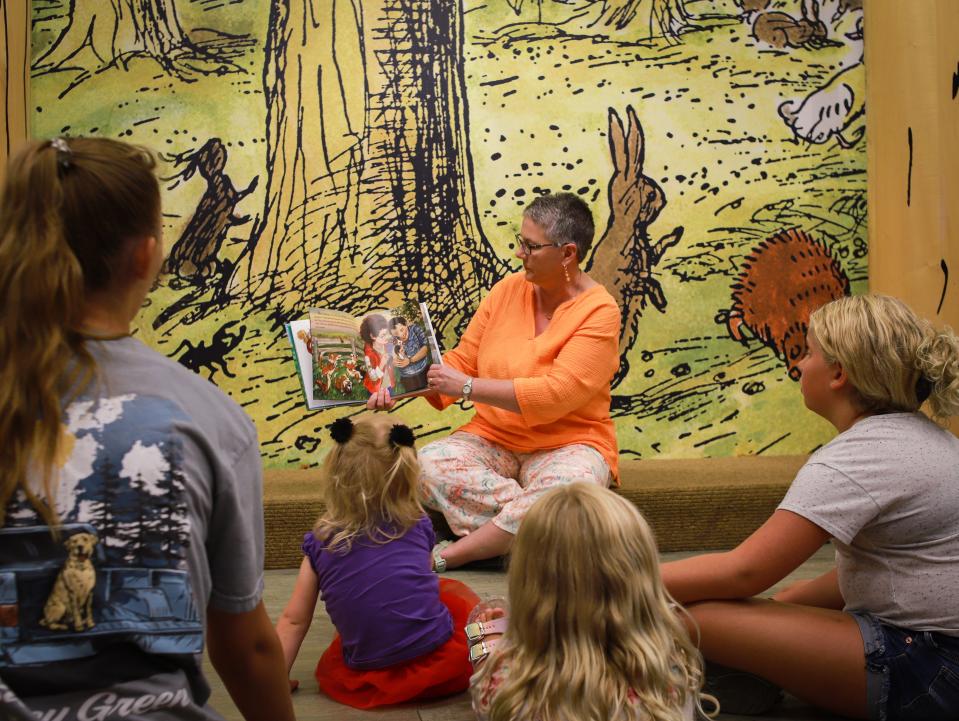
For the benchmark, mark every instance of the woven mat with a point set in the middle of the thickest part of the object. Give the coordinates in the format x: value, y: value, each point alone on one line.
x: 690, y: 504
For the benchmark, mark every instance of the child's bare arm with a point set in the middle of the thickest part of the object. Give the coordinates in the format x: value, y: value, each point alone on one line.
x: 246, y: 654
x: 296, y: 618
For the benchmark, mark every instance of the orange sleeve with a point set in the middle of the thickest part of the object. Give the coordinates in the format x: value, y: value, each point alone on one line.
x: 581, y: 370
x: 464, y: 356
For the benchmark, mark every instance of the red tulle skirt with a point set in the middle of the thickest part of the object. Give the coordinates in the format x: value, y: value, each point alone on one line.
x: 441, y: 672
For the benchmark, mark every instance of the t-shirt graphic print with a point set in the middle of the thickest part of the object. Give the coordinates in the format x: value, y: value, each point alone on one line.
x: 114, y: 575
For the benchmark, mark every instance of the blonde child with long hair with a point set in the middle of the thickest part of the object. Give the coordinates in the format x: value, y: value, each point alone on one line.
x: 399, y: 626
x: 130, y: 488
x: 877, y: 636
x: 592, y: 634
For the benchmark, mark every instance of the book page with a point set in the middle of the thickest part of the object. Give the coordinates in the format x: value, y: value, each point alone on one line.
x: 298, y: 331
x: 437, y: 356
x: 344, y: 359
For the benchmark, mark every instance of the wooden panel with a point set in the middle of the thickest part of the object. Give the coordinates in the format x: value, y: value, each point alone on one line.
x: 912, y: 63
x: 15, y: 58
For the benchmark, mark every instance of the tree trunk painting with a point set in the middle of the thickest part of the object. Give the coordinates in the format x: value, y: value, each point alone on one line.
x: 315, y: 115
x: 368, y: 122
x: 424, y: 214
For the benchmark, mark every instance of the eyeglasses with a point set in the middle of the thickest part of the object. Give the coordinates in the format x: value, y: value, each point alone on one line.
x: 528, y: 248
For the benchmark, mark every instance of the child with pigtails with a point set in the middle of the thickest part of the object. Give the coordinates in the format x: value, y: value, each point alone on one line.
x: 399, y: 626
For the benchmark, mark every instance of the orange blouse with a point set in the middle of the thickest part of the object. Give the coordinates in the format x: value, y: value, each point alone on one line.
x: 561, y: 377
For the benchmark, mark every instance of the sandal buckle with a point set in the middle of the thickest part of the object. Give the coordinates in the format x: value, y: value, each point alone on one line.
x: 479, y: 651
x: 474, y: 631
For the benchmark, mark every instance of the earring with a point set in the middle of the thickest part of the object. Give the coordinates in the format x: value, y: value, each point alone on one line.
x: 566, y: 273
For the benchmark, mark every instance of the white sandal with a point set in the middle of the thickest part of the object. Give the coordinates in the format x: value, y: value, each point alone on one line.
x: 439, y: 563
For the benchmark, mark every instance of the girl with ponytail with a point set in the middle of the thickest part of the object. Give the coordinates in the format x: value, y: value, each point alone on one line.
x: 72, y: 218
x: 128, y: 485
x: 399, y: 626
x: 878, y: 635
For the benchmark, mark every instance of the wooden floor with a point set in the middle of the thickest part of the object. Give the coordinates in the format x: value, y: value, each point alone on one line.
x: 310, y: 705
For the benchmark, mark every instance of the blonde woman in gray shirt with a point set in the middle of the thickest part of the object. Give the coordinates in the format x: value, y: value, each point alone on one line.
x: 878, y: 636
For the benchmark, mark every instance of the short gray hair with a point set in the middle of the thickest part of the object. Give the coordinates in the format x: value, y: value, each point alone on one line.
x: 565, y: 218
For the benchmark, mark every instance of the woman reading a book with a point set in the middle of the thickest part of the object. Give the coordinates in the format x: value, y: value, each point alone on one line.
x: 536, y: 360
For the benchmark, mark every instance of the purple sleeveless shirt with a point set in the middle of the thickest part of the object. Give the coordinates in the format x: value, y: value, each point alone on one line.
x: 382, y: 597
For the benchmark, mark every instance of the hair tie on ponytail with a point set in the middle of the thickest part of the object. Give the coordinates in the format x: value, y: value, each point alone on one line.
x: 401, y: 435
x: 63, y: 153
x: 923, y: 389
x: 341, y: 430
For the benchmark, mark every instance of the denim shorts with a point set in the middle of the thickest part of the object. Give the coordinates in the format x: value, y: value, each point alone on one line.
x: 910, y: 675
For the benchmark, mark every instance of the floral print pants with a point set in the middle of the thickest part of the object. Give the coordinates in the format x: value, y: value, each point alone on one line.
x: 471, y: 480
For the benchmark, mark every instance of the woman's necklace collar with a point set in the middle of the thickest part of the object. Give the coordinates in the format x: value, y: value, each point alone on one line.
x: 549, y: 316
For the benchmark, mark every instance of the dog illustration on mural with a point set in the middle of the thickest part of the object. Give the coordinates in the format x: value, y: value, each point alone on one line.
x: 834, y: 110
x: 196, y: 253
x: 212, y: 356
x: 71, y: 600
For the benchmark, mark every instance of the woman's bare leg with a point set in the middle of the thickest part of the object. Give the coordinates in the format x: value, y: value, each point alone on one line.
x: 487, y: 541
x: 815, y: 654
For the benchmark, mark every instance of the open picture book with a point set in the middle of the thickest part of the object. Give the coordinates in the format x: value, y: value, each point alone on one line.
x: 343, y: 359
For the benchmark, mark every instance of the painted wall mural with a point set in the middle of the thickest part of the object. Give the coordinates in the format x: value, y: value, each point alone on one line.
x: 351, y: 153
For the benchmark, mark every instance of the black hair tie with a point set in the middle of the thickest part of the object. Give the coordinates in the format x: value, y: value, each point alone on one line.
x: 341, y: 430
x: 401, y: 435
x: 923, y: 389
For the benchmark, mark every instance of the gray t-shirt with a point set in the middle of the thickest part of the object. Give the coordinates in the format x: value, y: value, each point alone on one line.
x: 887, y: 491
x: 159, y: 498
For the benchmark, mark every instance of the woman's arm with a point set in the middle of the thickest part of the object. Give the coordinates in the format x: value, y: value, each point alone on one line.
x: 296, y: 618
x: 822, y: 592
x: 461, y: 362
x: 449, y: 382
x: 770, y: 554
x: 247, y: 655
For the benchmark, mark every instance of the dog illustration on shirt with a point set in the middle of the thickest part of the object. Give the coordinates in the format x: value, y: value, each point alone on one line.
x: 71, y: 600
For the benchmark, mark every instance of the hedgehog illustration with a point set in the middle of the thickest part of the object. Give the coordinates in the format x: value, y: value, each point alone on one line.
x: 783, y: 280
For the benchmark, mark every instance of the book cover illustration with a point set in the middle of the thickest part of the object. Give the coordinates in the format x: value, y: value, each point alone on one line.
x: 343, y: 359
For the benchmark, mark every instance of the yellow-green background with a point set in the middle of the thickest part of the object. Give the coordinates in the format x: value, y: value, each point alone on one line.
x: 709, y: 85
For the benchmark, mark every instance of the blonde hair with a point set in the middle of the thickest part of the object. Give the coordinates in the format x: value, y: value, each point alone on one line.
x: 67, y: 212
x: 591, y: 625
x: 893, y: 358
x: 369, y: 487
